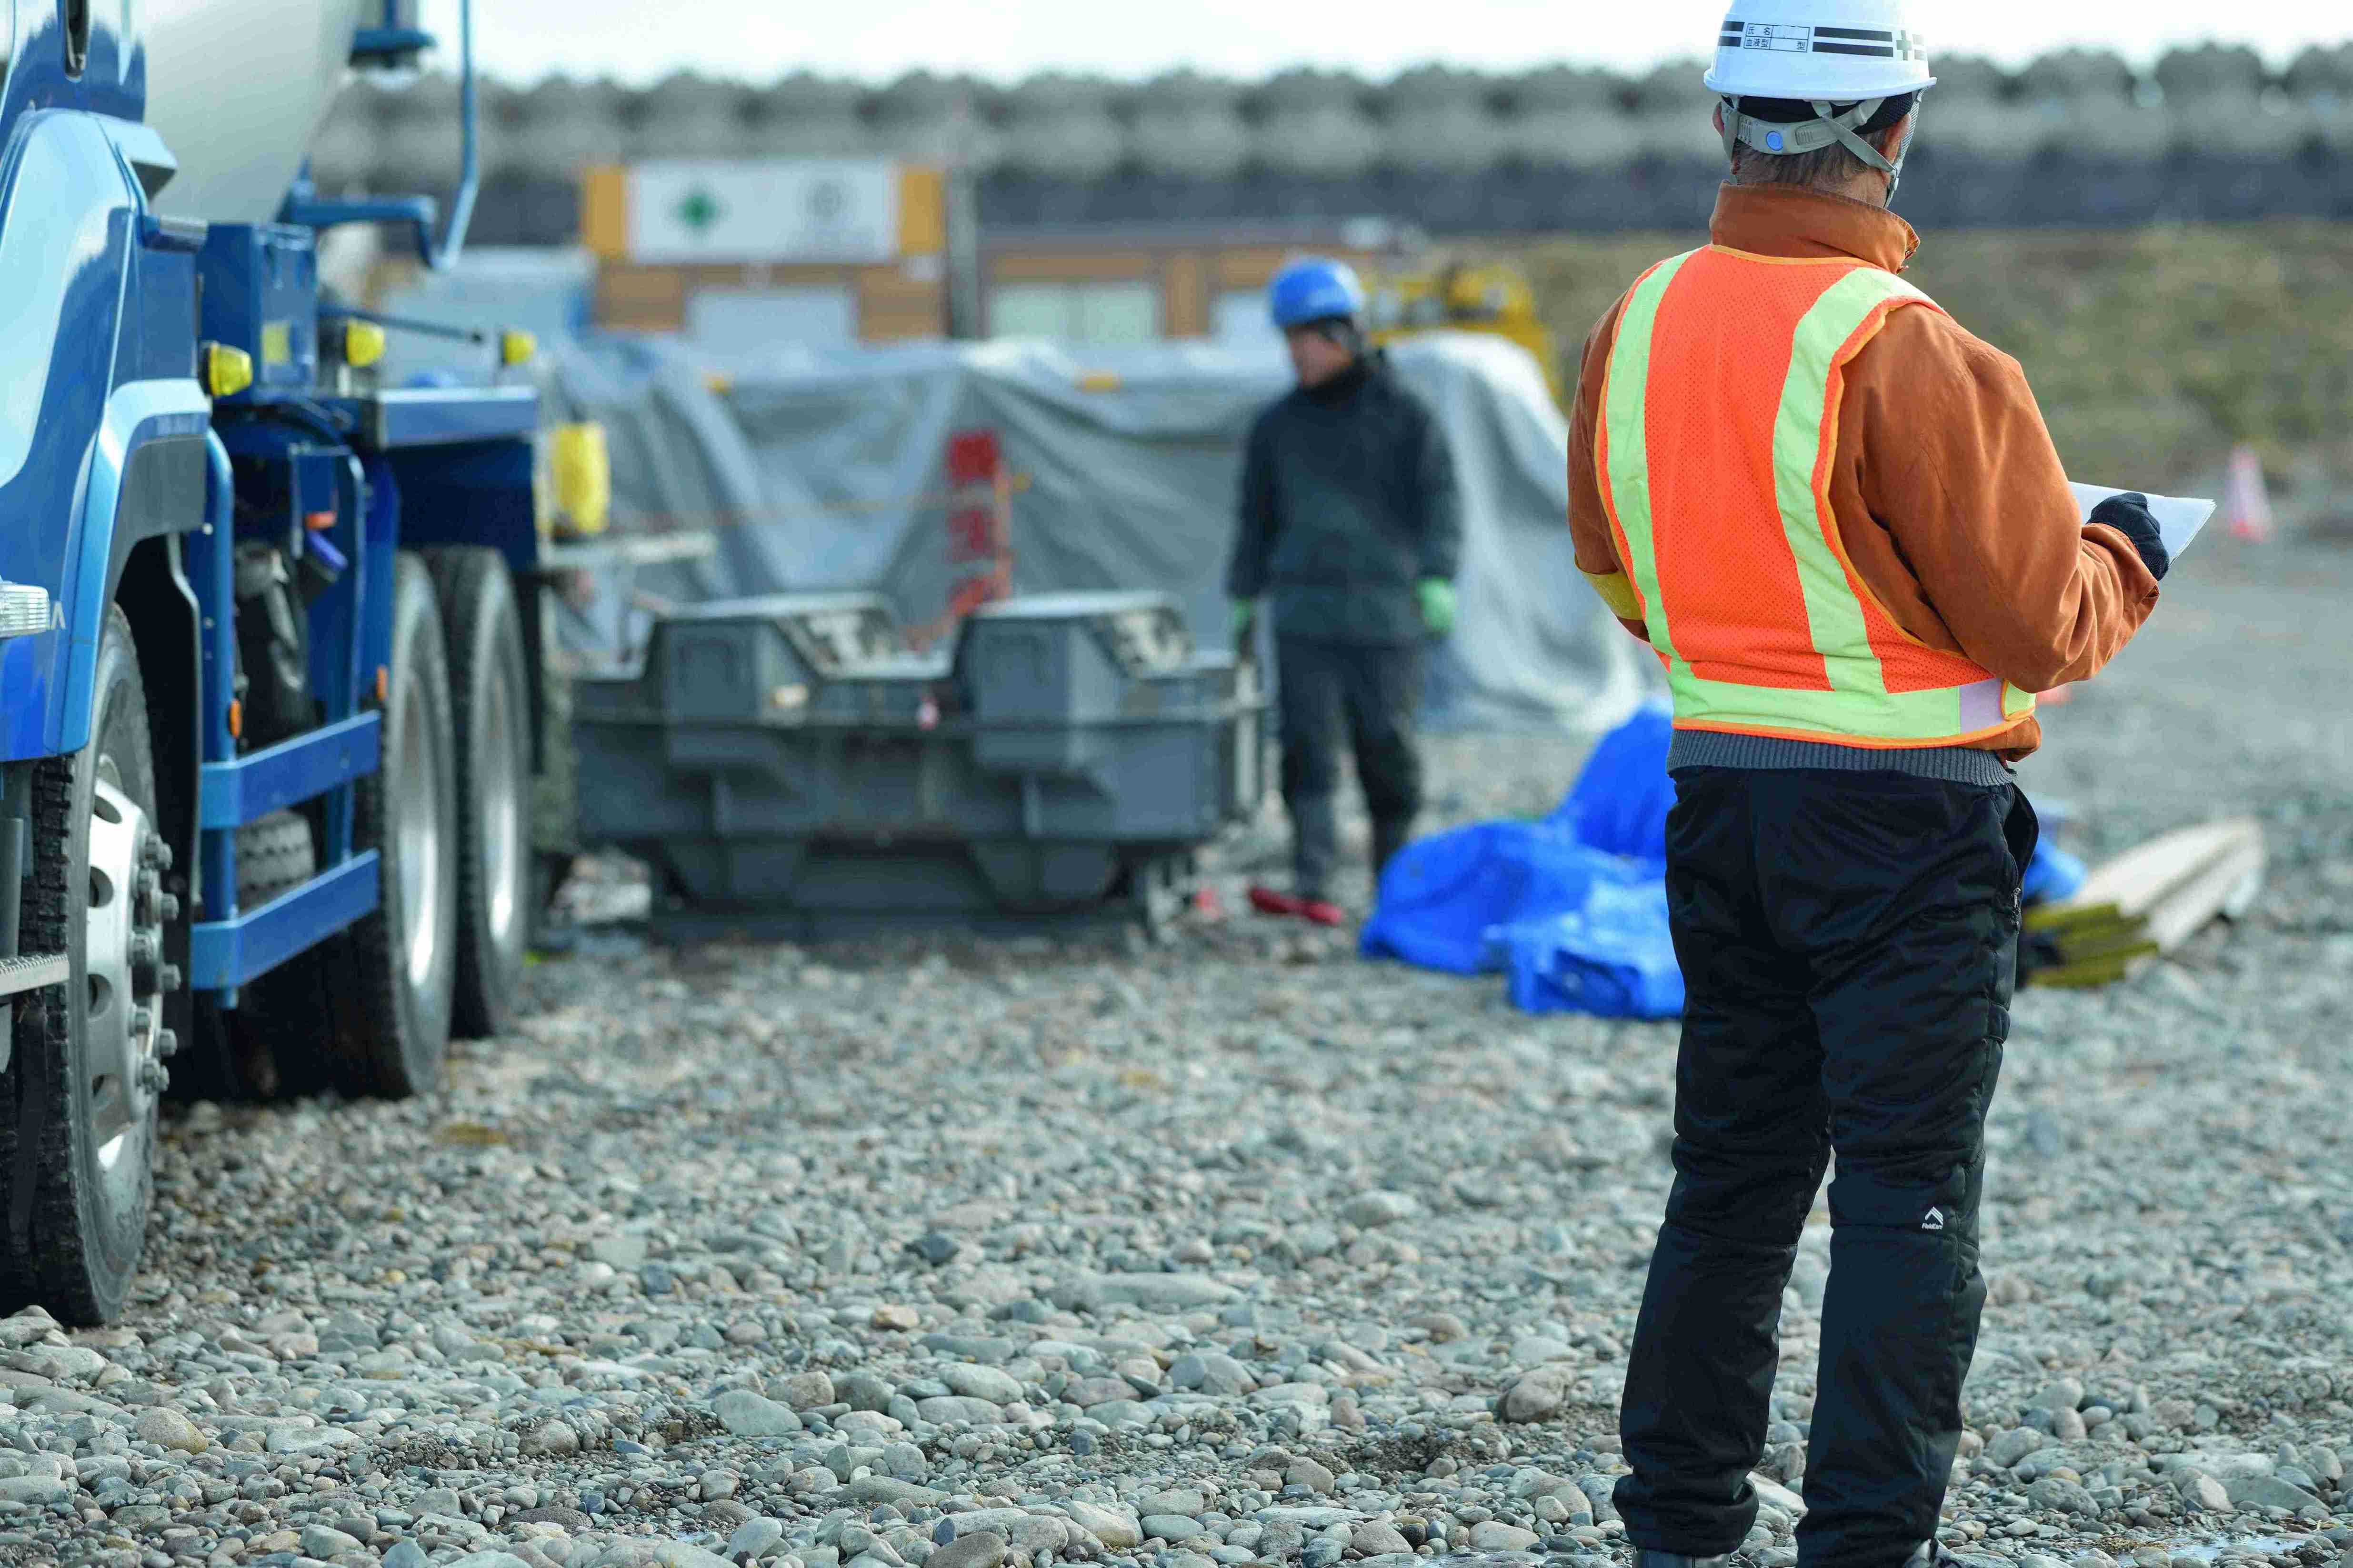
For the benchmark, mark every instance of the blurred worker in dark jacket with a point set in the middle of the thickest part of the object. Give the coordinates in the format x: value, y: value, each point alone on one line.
x: 1351, y: 529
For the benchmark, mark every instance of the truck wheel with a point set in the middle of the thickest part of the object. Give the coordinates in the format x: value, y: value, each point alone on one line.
x: 391, y: 975
x: 490, y: 696
x: 77, y: 1133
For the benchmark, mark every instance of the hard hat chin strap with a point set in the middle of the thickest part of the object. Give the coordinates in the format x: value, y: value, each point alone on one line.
x: 1828, y: 127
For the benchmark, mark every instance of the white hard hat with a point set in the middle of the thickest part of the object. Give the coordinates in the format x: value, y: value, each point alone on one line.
x: 1843, y: 58
x: 1840, y: 51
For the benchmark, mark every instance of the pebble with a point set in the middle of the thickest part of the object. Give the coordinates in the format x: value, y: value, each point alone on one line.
x: 1311, y: 1260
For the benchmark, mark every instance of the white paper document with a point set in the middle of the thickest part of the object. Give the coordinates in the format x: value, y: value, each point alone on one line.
x: 2178, y: 519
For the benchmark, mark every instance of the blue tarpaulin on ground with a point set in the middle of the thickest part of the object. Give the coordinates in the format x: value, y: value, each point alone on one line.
x: 1573, y: 909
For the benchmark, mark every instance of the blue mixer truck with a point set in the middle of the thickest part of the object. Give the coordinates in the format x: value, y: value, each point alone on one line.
x: 268, y: 643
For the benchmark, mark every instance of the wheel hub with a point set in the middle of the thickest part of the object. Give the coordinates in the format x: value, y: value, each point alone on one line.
x: 125, y: 978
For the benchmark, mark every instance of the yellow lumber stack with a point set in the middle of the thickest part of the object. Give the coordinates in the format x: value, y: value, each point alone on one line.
x: 2148, y: 901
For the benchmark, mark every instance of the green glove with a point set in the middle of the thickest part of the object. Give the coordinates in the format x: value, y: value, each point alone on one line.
x: 1437, y: 597
x: 1245, y: 612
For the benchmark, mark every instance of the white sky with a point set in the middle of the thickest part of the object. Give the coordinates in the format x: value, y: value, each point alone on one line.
x: 875, y: 41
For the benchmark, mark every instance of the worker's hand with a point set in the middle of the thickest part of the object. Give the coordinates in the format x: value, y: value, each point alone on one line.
x: 1245, y: 622
x: 2128, y: 514
x: 1437, y: 597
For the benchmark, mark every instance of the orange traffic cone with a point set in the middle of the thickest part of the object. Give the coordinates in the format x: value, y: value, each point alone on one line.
x: 2246, y: 503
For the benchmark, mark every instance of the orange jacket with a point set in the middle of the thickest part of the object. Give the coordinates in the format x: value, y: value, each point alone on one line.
x: 1949, y: 498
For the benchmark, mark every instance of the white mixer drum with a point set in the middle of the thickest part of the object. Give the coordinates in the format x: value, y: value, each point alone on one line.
x: 237, y: 89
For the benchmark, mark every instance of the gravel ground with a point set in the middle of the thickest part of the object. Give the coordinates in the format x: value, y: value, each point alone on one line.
x: 1230, y: 1251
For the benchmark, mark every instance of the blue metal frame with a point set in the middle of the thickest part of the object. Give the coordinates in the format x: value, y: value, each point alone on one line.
x: 381, y: 44
x: 434, y: 417
x: 226, y: 954
x: 291, y: 772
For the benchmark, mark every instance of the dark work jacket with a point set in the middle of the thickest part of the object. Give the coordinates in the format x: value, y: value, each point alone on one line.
x: 1347, y: 500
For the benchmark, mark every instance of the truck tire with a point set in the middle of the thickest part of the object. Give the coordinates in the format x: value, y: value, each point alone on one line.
x: 391, y: 976
x: 77, y: 1120
x: 256, y: 1050
x: 273, y: 854
x: 490, y: 698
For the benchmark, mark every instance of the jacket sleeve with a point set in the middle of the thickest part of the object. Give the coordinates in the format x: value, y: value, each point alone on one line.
x: 1439, y: 497
x: 1255, y: 520
x: 1589, y: 521
x: 1952, y: 459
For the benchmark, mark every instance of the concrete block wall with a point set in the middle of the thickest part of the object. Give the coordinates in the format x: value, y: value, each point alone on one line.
x: 2206, y: 133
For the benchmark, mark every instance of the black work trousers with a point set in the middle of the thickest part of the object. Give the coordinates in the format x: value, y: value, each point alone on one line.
x: 1849, y: 944
x: 1369, y: 694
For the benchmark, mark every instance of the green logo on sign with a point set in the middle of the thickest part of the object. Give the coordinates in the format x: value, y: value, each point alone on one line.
x: 699, y: 209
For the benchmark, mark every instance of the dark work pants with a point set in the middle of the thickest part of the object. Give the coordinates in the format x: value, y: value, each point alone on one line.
x: 1849, y: 944
x: 1368, y: 693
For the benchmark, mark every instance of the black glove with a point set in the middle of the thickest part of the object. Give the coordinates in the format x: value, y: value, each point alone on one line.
x: 2129, y: 515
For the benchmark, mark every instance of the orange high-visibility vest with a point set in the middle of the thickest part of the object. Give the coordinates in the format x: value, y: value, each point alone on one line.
x: 1718, y: 427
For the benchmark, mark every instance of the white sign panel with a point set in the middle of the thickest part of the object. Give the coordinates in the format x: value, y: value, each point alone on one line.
x: 812, y: 209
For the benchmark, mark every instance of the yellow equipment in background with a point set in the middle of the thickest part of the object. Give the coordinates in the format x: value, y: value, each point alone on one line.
x: 1465, y: 296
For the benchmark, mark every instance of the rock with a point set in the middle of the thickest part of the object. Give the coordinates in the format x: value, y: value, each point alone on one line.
x: 895, y: 1316
x: 1374, y: 1210
x: 748, y: 1414
x: 2268, y: 1491
x: 861, y: 1391
x: 2013, y: 1446
x: 981, y: 1382
x: 680, y: 1554
x: 549, y: 1437
x: 167, y: 1429
x: 34, y: 1489
x: 2202, y: 1493
x: 2061, y: 1496
x: 319, y: 1541
x: 754, y: 1538
x: 875, y: 1491
x: 491, y: 1560
x: 1178, y: 1291
x: 1117, y: 1529
x: 1212, y: 1373
x: 1309, y: 1474
x: 2061, y: 1394
x: 1170, y: 1527
x: 405, y: 1554
x: 1378, y: 1540
x: 935, y: 1248
x: 1539, y: 1396
x: 809, y: 1391
x: 1534, y: 1350
x: 950, y: 1410
x: 1496, y: 1536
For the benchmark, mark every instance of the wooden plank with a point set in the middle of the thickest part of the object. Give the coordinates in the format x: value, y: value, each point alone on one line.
x: 2192, y: 906
x: 2139, y: 879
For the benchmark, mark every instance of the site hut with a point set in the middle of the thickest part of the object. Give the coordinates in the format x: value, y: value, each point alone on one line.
x: 743, y: 256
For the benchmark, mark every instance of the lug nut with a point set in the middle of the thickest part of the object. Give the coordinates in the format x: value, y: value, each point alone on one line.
x: 167, y: 980
x: 167, y: 1043
x: 154, y: 1077
x: 167, y: 909
x: 141, y: 1019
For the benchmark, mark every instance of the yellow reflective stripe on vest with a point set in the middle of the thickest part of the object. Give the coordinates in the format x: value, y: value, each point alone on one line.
x: 1832, y: 612
x: 1623, y: 416
x: 1858, y: 707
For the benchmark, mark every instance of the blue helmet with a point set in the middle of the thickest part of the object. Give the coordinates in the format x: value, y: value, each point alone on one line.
x: 1315, y: 289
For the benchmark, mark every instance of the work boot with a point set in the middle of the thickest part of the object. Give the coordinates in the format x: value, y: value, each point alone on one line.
x: 1931, y: 1554
x: 1675, y: 1560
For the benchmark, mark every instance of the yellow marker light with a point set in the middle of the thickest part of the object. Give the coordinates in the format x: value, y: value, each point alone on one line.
x: 516, y: 347
x: 224, y: 370
x: 362, y: 343
x: 584, y: 475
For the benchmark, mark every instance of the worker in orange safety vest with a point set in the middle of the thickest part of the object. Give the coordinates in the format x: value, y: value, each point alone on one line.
x: 1838, y: 518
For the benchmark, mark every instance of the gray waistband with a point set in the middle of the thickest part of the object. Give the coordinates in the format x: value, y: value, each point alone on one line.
x: 1954, y: 764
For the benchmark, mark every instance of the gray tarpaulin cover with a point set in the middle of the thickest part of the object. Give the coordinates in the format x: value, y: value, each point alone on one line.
x: 829, y: 471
